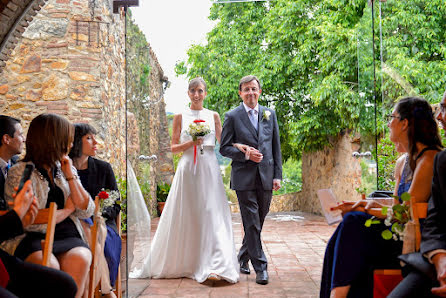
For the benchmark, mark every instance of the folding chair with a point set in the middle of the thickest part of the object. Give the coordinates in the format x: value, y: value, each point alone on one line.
x: 47, y: 244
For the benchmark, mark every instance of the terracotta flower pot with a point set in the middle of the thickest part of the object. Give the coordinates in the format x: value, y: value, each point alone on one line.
x: 161, y: 207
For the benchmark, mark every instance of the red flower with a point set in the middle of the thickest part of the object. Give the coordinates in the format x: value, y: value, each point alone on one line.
x: 198, y: 121
x: 103, y: 195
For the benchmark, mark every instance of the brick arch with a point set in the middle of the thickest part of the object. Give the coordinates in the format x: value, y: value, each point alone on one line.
x: 15, y: 16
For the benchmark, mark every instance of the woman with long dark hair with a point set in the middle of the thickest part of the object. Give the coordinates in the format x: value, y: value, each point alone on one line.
x: 354, y: 251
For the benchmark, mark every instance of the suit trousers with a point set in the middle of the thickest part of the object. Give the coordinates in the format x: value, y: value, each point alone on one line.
x: 254, y: 206
x: 414, y: 285
x: 32, y: 280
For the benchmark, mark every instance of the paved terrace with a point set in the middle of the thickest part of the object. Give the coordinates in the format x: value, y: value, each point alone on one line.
x: 294, y: 244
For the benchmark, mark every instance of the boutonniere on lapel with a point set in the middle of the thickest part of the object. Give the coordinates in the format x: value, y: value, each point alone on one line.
x: 266, y: 114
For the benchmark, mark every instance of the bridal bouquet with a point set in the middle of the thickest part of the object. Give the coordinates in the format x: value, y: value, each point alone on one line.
x: 197, y: 129
x: 108, y: 198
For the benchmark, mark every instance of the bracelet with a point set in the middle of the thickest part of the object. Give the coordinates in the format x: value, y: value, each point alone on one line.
x: 71, y: 178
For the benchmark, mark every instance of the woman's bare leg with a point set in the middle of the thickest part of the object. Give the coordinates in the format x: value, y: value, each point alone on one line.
x: 340, y: 292
x: 37, y: 258
x: 76, y: 262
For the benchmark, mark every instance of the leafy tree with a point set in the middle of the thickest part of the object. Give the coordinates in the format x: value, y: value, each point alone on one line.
x: 138, y: 71
x: 315, y: 60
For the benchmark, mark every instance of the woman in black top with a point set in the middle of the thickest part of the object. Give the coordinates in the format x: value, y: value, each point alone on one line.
x: 96, y: 175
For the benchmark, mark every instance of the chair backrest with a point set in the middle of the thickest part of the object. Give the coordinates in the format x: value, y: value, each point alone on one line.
x: 94, y: 241
x: 49, y: 237
x: 418, y: 211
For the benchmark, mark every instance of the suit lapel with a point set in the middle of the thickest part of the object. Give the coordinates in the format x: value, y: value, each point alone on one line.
x: 245, y: 119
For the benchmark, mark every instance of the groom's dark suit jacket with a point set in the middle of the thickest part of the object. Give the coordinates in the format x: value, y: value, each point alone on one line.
x: 237, y: 128
x: 3, y: 204
x: 434, y: 231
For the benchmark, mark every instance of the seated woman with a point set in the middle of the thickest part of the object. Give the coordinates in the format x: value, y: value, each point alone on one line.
x: 54, y: 179
x: 47, y: 282
x: 96, y: 175
x: 354, y: 251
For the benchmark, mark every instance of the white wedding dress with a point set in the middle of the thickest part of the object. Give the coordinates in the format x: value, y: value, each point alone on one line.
x: 194, y: 237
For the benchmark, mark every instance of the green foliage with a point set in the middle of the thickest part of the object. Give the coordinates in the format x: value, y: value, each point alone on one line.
x: 387, y: 160
x: 232, y: 196
x: 316, y: 64
x: 138, y: 78
x: 361, y: 190
x: 292, y: 177
x: 122, y: 186
x: 397, y: 218
x: 162, y: 191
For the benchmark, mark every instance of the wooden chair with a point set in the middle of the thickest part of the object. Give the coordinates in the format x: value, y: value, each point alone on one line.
x: 93, y: 244
x: 385, y: 280
x: 47, y: 244
x: 93, y: 291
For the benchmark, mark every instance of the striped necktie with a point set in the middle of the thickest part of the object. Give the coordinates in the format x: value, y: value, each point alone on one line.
x: 253, y: 117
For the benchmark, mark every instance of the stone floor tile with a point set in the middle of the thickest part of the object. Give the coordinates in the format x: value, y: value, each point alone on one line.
x: 294, y: 244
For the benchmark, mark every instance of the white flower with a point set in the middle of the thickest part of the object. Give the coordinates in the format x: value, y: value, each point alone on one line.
x: 266, y: 114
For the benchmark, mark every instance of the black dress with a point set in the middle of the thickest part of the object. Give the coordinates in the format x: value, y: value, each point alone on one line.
x: 66, y: 235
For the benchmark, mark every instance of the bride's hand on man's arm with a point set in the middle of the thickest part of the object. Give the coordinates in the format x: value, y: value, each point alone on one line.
x: 241, y: 147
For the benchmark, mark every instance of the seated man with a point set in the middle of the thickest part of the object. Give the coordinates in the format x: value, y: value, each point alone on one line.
x: 22, y: 279
x: 425, y: 279
x: 12, y: 141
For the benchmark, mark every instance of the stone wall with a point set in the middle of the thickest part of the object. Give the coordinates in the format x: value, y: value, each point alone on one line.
x: 70, y: 61
x: 333, y: 168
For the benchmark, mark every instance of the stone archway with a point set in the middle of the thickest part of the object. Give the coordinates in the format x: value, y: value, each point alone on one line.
x: 15, y: 16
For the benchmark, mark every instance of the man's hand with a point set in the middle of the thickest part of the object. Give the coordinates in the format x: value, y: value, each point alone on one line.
x: 255, y: 155
x: 276, y: 184
x: 24, y: 199
x: 439, y: 261
x: 30, y: 216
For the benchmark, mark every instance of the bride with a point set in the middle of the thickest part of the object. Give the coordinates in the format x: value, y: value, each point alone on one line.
x: 194, y: 237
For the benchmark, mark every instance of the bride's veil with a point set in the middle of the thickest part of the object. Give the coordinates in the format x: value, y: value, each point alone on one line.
x: 138, y: 229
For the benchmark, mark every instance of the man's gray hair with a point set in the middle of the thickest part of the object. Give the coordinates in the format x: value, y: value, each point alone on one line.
x: 248, y: 79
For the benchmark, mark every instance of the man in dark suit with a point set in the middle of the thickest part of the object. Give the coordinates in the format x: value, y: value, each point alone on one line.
x: 12, y: 141
x: 427, y: 277
x: 250, y: 137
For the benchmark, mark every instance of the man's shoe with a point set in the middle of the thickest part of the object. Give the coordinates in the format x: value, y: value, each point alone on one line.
x: 244, y: 268
x: 262, y: 277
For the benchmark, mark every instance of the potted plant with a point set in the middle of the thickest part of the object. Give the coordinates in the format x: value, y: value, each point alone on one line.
x: 362, y: 191
x: 162, y: 191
